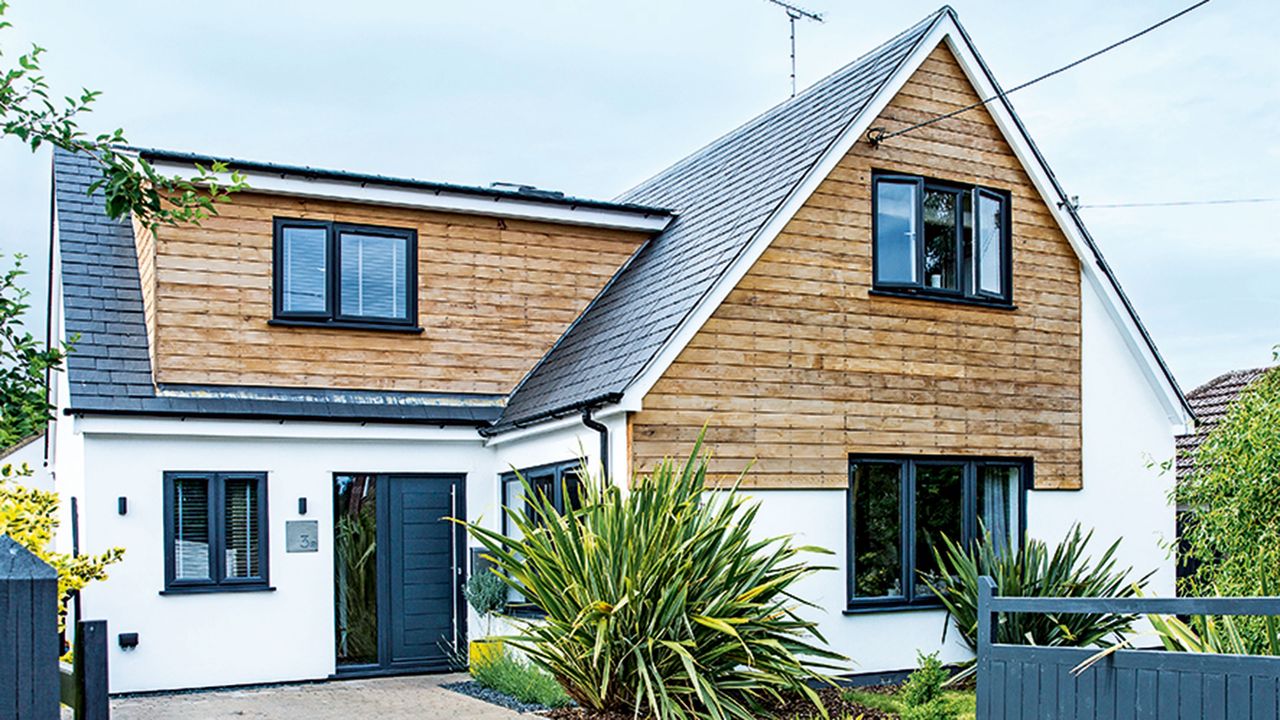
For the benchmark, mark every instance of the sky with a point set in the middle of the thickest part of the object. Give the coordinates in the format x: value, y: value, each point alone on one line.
x: 593, y: 97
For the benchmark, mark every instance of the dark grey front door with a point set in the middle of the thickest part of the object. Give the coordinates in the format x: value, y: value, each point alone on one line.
x: 399, y: 606
x: 425, y: 613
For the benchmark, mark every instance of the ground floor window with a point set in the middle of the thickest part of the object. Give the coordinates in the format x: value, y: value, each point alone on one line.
x: 561, y: 483
x: 215, y: 531
x: 899, y: 507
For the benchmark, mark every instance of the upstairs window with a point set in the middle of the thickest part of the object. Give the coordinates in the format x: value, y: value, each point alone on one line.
x: 343, y: 274
x: 941, y: 240
x: 900, y: 507
x: 215, y: 531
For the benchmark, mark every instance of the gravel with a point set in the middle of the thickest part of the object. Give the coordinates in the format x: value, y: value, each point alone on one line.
x: 476, y: 690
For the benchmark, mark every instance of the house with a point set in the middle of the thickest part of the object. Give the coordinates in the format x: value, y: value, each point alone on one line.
x: 1210, y: 401
x: 29, y: 453
x: 272, y: 412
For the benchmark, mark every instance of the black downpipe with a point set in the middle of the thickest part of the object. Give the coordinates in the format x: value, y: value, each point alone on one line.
x: 603, y: 429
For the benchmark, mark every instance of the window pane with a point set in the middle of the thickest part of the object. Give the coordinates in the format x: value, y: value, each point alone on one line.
x: 241, y: 527
x: 939, y: 503
x: 876, y: 561
x: 940, y: 239
x: 191, y: 529
x: 355, y: 576
x: 998, y: 493
x: 304, y: 285
x: 896, y: 231
x: 374, y: 275
x: 990, y: 244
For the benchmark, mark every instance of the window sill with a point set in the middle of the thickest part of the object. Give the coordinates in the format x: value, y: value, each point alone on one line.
x: 939, y: 297
x: 346, y: 325
x: 891, y: 606
x: 207, y: 589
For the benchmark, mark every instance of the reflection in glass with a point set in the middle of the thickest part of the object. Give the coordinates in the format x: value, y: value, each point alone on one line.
x: 896, y: 231
x: 939, y: 511
x: 876, y: 505
x: 990, y: 253
x: 355, y: 531
x: 940, y: 260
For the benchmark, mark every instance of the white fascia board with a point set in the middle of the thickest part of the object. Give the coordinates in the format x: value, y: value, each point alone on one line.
x: 945, y: 31
x: 548, y: 426
x: 657, y: 367
x: 443, y: 200
x: 280, y: 429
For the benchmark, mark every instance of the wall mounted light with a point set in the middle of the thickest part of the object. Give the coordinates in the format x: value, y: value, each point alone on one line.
x: 302, y: 506
x: 128, y: 641
x: 122, y: 505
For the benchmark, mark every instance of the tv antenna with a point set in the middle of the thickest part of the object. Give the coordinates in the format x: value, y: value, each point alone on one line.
x: 793, y: 14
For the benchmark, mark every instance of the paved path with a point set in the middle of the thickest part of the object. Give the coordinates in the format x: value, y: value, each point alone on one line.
x: 418, y: 697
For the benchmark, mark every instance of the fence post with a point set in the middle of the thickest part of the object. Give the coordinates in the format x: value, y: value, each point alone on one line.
x: 92, y: 701
x: 29, y: 640
x: 986, y: 635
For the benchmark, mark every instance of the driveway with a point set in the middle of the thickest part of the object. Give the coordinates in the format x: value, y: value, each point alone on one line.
x: 418, y: 697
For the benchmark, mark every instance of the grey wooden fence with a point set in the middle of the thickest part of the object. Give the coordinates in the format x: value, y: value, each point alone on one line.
x: 29, y: 641
x: 1020, y: 681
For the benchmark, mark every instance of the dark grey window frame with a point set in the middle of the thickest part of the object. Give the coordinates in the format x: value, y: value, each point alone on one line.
x: 918, y: 289
x: 561, y: 489
x: 332, y: 315
x: 217, y: 580
x: 907, y: 531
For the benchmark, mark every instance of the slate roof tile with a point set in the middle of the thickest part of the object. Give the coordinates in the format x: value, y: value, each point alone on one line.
x: 723, y: 194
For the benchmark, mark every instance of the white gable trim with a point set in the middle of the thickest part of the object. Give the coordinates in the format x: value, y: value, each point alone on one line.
x: 948, y: 31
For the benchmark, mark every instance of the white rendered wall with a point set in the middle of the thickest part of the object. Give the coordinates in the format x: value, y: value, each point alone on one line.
x: 1124, y: 428
x: 236, y: 638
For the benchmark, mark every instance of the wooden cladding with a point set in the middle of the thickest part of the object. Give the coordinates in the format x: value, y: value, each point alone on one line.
x: 493, y: 296
x: 802, y: 366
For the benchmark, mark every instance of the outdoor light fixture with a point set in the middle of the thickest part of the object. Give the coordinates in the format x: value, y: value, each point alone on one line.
x: 122, y: 505
x: 302, y: 506
x: 128, y: 641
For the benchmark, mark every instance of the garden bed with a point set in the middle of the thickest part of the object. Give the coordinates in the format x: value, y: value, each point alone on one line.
x: 872, y: 702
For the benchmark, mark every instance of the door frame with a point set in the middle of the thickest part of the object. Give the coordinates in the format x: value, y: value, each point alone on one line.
x: 384, y: 665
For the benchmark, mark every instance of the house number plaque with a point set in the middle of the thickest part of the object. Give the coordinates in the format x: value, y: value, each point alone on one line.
x: 301, y: 536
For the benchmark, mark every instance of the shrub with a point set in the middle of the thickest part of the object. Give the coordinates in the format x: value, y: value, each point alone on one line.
x: 524, y: 682
x: 487, y: 595
x: 1034, y: 570
x: 658, y: 600
x: 935, y: 709
x: 1232, y: 526
x: 925, y: 684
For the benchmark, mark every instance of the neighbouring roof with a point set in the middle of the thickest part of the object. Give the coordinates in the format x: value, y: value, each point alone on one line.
x: 1210, y: 402
x: 109, y: 369
x: 723, y: 195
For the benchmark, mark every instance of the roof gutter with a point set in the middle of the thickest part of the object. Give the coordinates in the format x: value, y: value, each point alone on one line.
x: 592, y: 403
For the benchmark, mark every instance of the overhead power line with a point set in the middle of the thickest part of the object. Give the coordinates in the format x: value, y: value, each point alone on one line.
x: 878, y: 135
x: 1180, y: 203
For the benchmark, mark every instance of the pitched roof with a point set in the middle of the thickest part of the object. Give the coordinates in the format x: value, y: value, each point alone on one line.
x: 109, y: 369
x: 728, y: 195
x: 1211, y: 401
x: 723, y: 195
